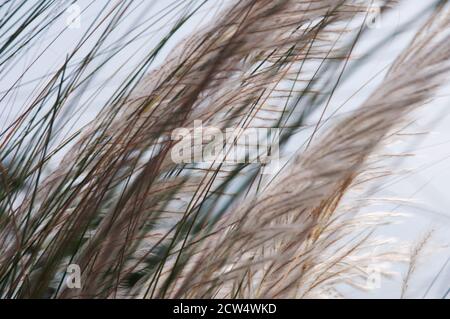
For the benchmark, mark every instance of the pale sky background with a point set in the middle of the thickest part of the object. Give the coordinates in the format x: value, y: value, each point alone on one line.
x: 426, y: 188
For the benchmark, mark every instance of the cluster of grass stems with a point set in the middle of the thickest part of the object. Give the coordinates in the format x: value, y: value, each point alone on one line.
x: 107, y: 196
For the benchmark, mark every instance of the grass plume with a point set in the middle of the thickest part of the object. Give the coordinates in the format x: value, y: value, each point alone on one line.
x: 108, y: 197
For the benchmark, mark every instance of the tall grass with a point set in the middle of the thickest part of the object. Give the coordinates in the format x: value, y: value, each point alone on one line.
x: 141, y: 226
